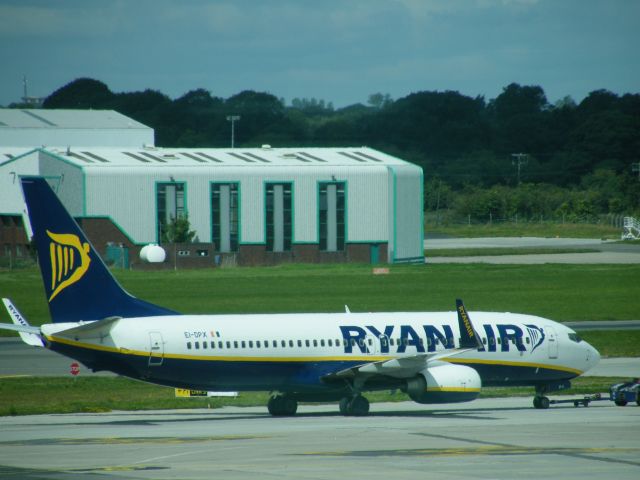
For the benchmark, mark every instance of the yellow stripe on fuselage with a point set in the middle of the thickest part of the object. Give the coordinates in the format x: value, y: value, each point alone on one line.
x: 340, y: 358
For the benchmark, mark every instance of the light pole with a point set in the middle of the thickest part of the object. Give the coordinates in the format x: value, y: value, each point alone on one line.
x: 233, y: 119
x: 519, y: 159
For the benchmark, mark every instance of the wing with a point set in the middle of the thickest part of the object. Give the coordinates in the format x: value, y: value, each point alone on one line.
x: 400, y: 367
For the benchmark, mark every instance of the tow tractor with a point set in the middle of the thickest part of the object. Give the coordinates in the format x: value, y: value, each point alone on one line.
x: 623, y: 393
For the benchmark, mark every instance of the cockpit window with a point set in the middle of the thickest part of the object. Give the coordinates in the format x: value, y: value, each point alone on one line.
x: 575, y: 337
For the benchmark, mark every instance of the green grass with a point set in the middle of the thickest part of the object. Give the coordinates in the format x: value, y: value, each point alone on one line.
x: 24, y: 396
x: 545, y: 230
x: 559, y: 292
x: 614, y: 343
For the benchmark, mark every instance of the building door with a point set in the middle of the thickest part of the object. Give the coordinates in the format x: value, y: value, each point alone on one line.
x: 374, y: 253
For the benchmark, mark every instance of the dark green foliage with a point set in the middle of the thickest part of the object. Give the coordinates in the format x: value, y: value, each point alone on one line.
x: 459, y: 139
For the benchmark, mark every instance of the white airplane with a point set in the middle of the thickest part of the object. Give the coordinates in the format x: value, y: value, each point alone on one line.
x: 435, y: 357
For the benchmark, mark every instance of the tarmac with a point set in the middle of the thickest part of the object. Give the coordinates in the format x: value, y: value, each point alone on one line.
x: 484, y: 439
x: 609, y: 252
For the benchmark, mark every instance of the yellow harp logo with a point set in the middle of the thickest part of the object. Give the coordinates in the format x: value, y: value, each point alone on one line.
x: 69, y: 261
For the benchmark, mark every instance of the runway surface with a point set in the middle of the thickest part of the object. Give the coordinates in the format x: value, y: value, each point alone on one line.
x: 608, y: 252
x: 485, y: 439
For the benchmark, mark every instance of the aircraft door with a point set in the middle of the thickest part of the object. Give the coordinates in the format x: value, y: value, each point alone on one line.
x: 552, y: 338
x: 156, y: 349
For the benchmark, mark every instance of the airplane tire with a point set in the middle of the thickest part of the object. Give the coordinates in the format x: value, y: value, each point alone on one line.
x: 282, y: 406
x: 541, y: 402
x: 359, y: 406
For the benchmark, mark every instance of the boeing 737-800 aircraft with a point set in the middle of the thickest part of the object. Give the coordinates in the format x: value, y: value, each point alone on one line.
x: 435, y: 357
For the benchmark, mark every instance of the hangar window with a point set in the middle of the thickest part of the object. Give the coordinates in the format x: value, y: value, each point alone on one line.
x: 332, y: 216
x: 225, y: 216
x: 279, y: 218
x: 170, y: 206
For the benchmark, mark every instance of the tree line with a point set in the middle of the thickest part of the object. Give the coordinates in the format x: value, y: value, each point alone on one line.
x: 576, y: 156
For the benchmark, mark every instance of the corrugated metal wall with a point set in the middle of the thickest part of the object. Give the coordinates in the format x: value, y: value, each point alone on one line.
x: 407, y: 230
x: 128, y: 196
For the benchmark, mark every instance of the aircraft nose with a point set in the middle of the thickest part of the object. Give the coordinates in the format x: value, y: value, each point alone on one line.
x: 592, y: 356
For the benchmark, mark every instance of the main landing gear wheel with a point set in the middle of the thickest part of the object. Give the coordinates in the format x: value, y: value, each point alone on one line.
x: 357, y: 406
x: 541, y: 402
x: 282, y: 406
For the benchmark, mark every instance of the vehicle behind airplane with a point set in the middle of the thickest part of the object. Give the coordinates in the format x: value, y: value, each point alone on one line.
x: 434, y: 357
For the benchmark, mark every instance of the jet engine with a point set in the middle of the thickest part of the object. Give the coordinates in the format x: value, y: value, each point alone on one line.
x: 444, y: 383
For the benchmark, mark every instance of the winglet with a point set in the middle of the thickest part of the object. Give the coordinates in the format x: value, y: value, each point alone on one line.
x: 28, y: 334
x: 469, y: 338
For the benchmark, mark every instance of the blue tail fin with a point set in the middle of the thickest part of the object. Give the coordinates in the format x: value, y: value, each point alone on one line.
x: 77, y: 283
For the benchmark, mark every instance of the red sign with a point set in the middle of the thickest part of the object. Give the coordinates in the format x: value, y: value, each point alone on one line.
x: 75, y: 369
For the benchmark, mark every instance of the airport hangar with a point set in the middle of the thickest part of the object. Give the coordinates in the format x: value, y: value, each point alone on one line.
x: 247, y: 206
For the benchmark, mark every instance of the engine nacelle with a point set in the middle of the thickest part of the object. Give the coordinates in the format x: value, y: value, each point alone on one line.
x: 444, y: 383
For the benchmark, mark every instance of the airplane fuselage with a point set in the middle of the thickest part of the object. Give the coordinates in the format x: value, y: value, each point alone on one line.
x: 297, y: 352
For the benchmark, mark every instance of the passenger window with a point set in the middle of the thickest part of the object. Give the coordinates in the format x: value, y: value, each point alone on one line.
x: 189, y: 345
x: 235, y: 344
x: 220, y: 345
x: 353, y: 342
x: 283, y: 343
x: 322, y: 342
x: 391, y: 342
x: 315, y: 343
x: 291, y: 343
x: 421, y: 342
x: 330, y: 343
x: 257, y: 343
x: 300, y: 343
x: 484, y: 341
x: 228, y: 344
x: 213, y: 344
x: 250, y: 343
x: 204, y: 345
x: 337, y: 343
x: 307, y: 343
x: 197, y: 345
x: 244, y: 345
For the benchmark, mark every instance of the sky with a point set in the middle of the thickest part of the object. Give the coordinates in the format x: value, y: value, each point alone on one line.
x: 340, y: 51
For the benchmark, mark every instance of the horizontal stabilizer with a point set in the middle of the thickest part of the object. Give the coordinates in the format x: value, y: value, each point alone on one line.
x: 29, y: 335
x: 90, y: 330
